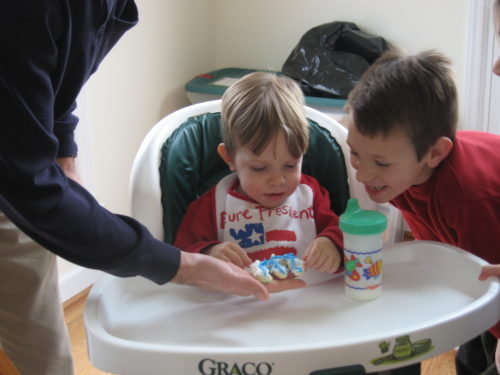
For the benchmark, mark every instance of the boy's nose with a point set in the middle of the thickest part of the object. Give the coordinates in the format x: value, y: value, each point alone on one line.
x: 363, y: 175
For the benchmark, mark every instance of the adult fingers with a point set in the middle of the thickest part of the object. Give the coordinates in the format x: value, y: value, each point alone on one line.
x: 277, y: 286
x: 209, y: 273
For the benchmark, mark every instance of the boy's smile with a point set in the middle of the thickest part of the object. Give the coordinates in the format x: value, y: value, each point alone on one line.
x: 387, y: 166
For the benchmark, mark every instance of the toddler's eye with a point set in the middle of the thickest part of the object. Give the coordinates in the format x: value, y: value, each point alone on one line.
x: 258, y: 169
x: 381, y: 164
x: 291, y: 166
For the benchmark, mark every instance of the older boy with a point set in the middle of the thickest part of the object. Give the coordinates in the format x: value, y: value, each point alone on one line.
x: 406, y: 150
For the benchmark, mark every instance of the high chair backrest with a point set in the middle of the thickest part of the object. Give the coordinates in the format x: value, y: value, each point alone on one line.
x: 178, y: 161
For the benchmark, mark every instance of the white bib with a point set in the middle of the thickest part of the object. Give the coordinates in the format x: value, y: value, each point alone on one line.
x: 289, y: 228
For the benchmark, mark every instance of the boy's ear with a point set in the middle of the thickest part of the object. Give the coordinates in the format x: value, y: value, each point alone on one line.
x: 224, y: 154
x: 439, y: 151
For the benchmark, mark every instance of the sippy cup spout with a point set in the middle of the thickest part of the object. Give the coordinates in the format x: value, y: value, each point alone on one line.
x: 352, y: 206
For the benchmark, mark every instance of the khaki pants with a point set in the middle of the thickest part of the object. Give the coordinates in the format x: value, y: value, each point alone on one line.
x: 32, y: 328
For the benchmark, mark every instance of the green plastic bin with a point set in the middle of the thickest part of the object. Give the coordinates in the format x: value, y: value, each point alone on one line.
x: 212, y: 85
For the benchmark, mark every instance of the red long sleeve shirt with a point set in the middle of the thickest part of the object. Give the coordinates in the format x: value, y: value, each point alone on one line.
x: 460, y: 203
x: 199, y: 228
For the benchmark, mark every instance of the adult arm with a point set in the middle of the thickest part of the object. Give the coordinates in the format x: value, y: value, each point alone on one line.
x: 34, y: 191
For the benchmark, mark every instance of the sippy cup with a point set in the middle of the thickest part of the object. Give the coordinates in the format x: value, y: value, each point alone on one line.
x: 363, y: 232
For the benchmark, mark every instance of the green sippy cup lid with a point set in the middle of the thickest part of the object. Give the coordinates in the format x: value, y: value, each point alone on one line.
x: 357, y: 221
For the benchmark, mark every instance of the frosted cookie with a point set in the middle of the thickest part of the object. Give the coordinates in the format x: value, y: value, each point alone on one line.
x: 279, y: 266
x: 276, y: 267
x: 260, y: 271
x: 294, y: 264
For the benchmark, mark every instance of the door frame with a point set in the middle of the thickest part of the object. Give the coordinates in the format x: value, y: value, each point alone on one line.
x: 481, y: 88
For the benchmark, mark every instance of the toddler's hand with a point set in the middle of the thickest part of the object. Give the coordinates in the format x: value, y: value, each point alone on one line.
x: 489, y: 270
x: 230, y: 252
x: 322, y: 255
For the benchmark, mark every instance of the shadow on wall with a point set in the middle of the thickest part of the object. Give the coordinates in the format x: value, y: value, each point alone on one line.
x: 172, y: 101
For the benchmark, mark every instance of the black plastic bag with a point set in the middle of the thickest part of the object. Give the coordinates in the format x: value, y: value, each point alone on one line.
x: 330, y: 59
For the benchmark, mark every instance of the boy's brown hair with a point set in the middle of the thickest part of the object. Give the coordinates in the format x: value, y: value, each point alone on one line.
x: 259, y: 105
x: 416, y: 93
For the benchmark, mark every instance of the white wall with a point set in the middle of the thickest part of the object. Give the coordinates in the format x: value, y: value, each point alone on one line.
x: 143, y: 77
x: 139, y: 82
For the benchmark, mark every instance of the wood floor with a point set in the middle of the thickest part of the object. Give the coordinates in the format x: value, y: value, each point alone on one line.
x: 73, y: 312
x: 440, y: 365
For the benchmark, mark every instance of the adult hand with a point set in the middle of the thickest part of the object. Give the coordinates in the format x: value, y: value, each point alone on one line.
x: 322, y: 255
x: 230, y: 252
x: 277, y: 286
x: 68, y: 165
x: 209, y: 273
x: 489, y: 271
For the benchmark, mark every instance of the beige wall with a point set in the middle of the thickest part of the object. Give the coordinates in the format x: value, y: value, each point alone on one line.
x: 139, y: 82
x: 262, y: 33
x: 143, y: 78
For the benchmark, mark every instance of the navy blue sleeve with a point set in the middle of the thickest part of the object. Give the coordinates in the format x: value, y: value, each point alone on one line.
x: 39, y: 83
x: 64, y: 131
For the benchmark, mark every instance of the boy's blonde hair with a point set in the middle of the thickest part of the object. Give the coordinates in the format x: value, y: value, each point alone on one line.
x: 258, y: 106
x: 416, y: 93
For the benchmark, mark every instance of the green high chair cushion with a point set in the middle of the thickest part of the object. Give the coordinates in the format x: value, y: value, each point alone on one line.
x: 190, y: 165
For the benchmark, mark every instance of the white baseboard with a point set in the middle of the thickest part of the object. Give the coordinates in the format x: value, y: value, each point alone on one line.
x: 76, y: 280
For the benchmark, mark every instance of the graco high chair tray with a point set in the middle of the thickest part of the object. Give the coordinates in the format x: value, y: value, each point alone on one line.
x: 431, y: 302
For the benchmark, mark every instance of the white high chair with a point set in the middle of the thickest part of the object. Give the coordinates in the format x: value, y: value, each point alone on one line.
x: 145, y: 190
x: 426, y: 308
